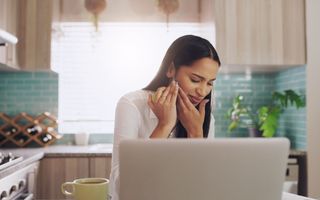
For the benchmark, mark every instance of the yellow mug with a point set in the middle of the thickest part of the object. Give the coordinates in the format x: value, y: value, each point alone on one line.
x: 87, y: 188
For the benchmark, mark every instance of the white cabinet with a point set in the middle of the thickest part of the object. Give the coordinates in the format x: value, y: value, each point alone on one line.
x: 260, y: 32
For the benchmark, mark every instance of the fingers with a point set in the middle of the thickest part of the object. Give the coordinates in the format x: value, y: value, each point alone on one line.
x: 166, y: 94
x: 174, y: 93
x: 185, y: 100
x: 181, y: 104
x: 156, y: 96
x: 150, y: 101
x: 202, y: 107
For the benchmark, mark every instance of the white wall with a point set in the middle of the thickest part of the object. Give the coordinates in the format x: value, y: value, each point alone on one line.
x: 313, y: 96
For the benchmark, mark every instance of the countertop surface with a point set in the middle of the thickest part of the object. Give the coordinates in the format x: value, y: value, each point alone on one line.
x: 289, y: 196
x: 31, y: 155
x: 35, y: 154
x: 64, y: 150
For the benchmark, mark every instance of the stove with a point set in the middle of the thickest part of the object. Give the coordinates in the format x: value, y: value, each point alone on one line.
x: 18, y: 182
x: 9, y: 159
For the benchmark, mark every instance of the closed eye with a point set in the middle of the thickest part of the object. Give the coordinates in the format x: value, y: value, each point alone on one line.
x: 195, y: 80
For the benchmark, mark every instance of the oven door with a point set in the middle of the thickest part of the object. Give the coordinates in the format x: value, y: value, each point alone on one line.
x: 20, y: 184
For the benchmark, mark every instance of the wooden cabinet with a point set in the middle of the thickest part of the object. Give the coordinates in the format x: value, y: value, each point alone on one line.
x: 8, y: 22
x: 54, y: 171
x: 100, y: 167
x: 34, y: 34
x: 260, y: 32
x: 30, y: 21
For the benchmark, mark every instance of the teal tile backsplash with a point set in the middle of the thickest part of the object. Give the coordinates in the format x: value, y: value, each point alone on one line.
x: 292, y: 122
x: 257, y: 89
x: 37, y: 92
x: 30, y: 92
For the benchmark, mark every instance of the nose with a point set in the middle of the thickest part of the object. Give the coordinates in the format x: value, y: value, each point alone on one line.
x: 202, y: 90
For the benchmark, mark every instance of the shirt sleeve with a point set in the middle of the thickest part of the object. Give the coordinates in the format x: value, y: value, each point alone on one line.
x: 127, y: 120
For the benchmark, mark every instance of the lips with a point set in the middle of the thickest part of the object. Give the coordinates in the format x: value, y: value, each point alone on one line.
x: 195, y: 100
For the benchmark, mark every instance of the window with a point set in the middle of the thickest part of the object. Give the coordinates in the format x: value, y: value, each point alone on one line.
x: 97, y: 68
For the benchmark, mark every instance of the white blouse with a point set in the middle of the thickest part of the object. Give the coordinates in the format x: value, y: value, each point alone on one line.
x: 133, y: 119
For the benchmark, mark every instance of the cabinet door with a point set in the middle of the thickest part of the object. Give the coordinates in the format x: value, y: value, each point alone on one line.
x: 8, y: 22
x: 3, y: 13
x: 55, y: 171
x: 30, y: 21
x: 260, y: 32
x: 34, y: 34
x: 100, y: 167
x: 294, y: 32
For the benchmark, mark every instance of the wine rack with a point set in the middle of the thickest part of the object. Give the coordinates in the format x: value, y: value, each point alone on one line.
x: 25, y: 130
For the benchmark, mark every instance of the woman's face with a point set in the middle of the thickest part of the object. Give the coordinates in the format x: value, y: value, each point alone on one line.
x: 197, y: 79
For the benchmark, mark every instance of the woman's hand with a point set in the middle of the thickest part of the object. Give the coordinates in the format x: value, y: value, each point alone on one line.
x: 191, y: 118
x: 163, y: 104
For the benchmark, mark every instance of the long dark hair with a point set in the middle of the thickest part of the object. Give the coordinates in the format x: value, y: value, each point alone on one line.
x: 183, y: 52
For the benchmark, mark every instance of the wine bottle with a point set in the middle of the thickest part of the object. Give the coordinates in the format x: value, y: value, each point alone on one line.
x: 10, y: 130
x: 46, y: 138
x: 34, y: 129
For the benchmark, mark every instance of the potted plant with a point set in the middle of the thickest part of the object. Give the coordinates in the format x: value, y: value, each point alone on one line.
x: 264, y: 121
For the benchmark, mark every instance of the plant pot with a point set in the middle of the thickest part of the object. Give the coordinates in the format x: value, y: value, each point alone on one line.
x: 254, y: 132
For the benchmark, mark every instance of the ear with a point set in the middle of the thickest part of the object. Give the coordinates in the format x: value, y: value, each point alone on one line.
x: 171, y: 71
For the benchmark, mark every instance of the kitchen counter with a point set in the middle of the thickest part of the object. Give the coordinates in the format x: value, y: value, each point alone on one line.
x: 28, y: 158
x: 78, y: 151
x: 31, y: 155
x: 289, y: 196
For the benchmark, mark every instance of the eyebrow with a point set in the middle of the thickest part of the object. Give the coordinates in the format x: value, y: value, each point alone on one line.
x: 203, y: 78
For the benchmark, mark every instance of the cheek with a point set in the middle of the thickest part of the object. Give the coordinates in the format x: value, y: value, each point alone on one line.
x: 187, y: 87
x: 209, y: 89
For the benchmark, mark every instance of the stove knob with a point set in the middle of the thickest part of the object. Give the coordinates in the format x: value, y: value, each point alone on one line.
x: 13, y: 189
x: 2, y: 158
x: 3, y: 195
x: 10, y: 156
x: 22, y: 183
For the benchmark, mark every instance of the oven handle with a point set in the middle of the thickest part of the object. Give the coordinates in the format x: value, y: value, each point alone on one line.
x: 25, y: 196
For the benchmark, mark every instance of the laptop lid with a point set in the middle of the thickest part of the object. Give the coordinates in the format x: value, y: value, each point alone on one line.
x: 203, y: 169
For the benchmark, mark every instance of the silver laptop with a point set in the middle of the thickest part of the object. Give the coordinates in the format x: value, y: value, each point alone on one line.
x: 203, y: 169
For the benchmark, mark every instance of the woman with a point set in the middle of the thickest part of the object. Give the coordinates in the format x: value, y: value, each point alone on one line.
x: 176, y: 103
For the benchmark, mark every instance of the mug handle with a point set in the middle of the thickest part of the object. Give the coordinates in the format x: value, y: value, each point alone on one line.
x: 65, y: 191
